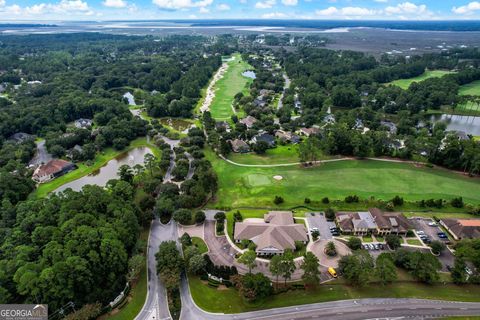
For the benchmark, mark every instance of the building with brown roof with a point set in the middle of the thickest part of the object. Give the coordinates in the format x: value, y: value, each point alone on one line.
x: 239, y: 146
x: 275, y: 234
x: 52, y: 169
x: 372, y: 221
x: 249, y: 121
x: 462, y: 228
x: 308, y: 131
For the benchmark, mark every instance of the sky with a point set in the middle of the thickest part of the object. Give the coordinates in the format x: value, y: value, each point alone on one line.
x: 49, y: 10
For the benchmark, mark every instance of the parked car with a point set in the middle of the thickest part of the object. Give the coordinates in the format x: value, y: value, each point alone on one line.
x: 419, y: 232
x: 432, y: 224
x: 376, y: 246
x: 313, y: 229
x: 332, y: 272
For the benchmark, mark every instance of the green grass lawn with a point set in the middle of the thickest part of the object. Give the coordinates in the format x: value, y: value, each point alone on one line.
x: 137, y: 295
x: 414, y: 242
x: 228, y: 301
x: 228, y: 86
x: 405, y: 83
x: 255, y: 187
x: 200, y: 244
x: 440, y: 215
x: 280, y: 154
x: 470, y: 89
x: 100, y: 160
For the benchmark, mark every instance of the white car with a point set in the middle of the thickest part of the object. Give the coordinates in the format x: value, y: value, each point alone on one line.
x: 432, y: 224
x: 313, y: 229
x: 420, y: 232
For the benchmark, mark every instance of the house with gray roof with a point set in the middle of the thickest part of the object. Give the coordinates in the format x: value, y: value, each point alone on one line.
x: 272, y: 236
x: 249, y: 121
x: 239, y: 146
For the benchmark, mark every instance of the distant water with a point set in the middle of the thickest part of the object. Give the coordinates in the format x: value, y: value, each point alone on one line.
x: 468, y: 124
x: 249, y: 74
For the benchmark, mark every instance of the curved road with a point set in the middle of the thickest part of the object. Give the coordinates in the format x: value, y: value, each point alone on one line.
x: 156, y: 304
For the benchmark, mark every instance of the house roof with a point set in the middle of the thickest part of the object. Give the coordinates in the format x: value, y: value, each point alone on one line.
x: 238, y: 144
x: 52, y: 167
x: 278, y: 231
x: 463, y: 228
x: 248, y: 121
x: 265, y: 137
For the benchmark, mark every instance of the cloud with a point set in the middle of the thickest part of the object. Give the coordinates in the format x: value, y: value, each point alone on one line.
x: 407, y: 8
x: 290, y: 2
x: 346, y: 11
x: 64, y: 7
x: 267, y: 4
x: 467, y: 9
x: 274, y: 15
x: 204, y: 10
x: 223, y: 7
x: 181, y: 4
x: 2, y: 3
x: 115, y: 3
x: 381, y: 1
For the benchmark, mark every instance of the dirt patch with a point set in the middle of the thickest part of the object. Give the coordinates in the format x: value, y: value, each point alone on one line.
x: 222, y: 287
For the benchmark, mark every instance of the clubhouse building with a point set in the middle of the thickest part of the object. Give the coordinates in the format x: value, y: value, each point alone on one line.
x: 373, y: 221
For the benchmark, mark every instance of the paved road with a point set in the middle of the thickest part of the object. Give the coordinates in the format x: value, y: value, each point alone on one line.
x: 156, y: 304
x: 41, y: 154
x: 285, y: 87
x: 341, y: 310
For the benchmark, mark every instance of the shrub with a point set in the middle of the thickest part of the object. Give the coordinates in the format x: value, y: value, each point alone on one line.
x: 182, y: 216
x: 237, y: 216
x: 457, y: 202
x: 397, y: 201
x: 393, y: 241
x: 437, y: 247
x: 199, y: 216
x: 220, y: 227
x: 186, y: 240
x: 325, y: 200
x: 278, y: 200
x: 220, y: 216
x: 315, y: 234
x: 354, y: 243
x: 307, y: 201
x: 330, y: 249
x: 351, y: 199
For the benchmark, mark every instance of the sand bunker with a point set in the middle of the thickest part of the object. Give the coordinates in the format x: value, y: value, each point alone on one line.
x: 278, y: 178
x: 211, y: 90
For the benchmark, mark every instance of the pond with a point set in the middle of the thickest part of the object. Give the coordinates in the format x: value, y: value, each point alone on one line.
x: 109, y: 171
x: 177, y: 124
x: 249, y: 74
x: 130, y: 98
x: 468, y: 124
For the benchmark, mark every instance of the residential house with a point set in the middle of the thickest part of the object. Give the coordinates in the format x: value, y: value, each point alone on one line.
x: 239, y: 146
x: 308, y: 131
x: 391, y: 127
x: 462, y: 228
x: 74, y: 152
x: 20, y: 137
x: 272, y: 236
x: 83, y: 123
x: 329, y: 119
x: 222, y: 125
x: 268, y: 138
x: 249, y: 121
x: 287, y: 136
x: 52, y: 169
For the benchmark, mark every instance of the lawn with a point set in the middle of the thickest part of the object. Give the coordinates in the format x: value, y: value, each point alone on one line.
x: 137, y: 295
x: 470, y: 89
x: 255, y: 187
x: 228, y: 86
x: 414, y: 242
x: 100, y: 160
x: 228, y: 301
x: 405, y: 83
x: 280, y: 154
x: 440, y: 215
x: 200, y: 244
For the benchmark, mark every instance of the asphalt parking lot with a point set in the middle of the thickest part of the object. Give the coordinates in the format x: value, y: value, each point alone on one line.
x: 421, y: 227
x: 318, y: 220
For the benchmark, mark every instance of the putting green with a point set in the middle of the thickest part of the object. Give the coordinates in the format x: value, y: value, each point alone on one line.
x: 255, y: 187
x: 405, y: 83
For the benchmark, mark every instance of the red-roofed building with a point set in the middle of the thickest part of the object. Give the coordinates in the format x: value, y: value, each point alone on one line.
x: 52, y: 169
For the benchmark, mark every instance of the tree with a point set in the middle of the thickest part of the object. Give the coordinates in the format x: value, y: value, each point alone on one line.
x: 169, y: 264
x: 196, y: 264
x: 149, y: 162
x: 87, y: 312
x: 254, y: 286
x: 237, y: 216
x: 393, y: 241
x: 397, y: 201
x: 459, y: 273
x: 260, y: 147
x: 357, y: 268
x: 385, y: 268
x: 330, y: 249
x: 199, y: 217
x: 457, y: 202
x: 182, y: 216
x: 278, y: 200
x: 424, y: 267
x: 135, y: 265
x: 330, y: 214
x: 220, y: 216
x: 310, y: 265
x: 315, y: 234
x: 275, y: 267
x: 287, y: 267
x: 186, y: 240
x: 354, y: 243
x: 437, y: 247
x: 126, y: 173
x: 248, y: 259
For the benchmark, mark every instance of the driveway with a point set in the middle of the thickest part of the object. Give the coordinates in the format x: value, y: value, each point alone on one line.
x: 41, y: 154
x: 318, y: 248
x: 318, y: 220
